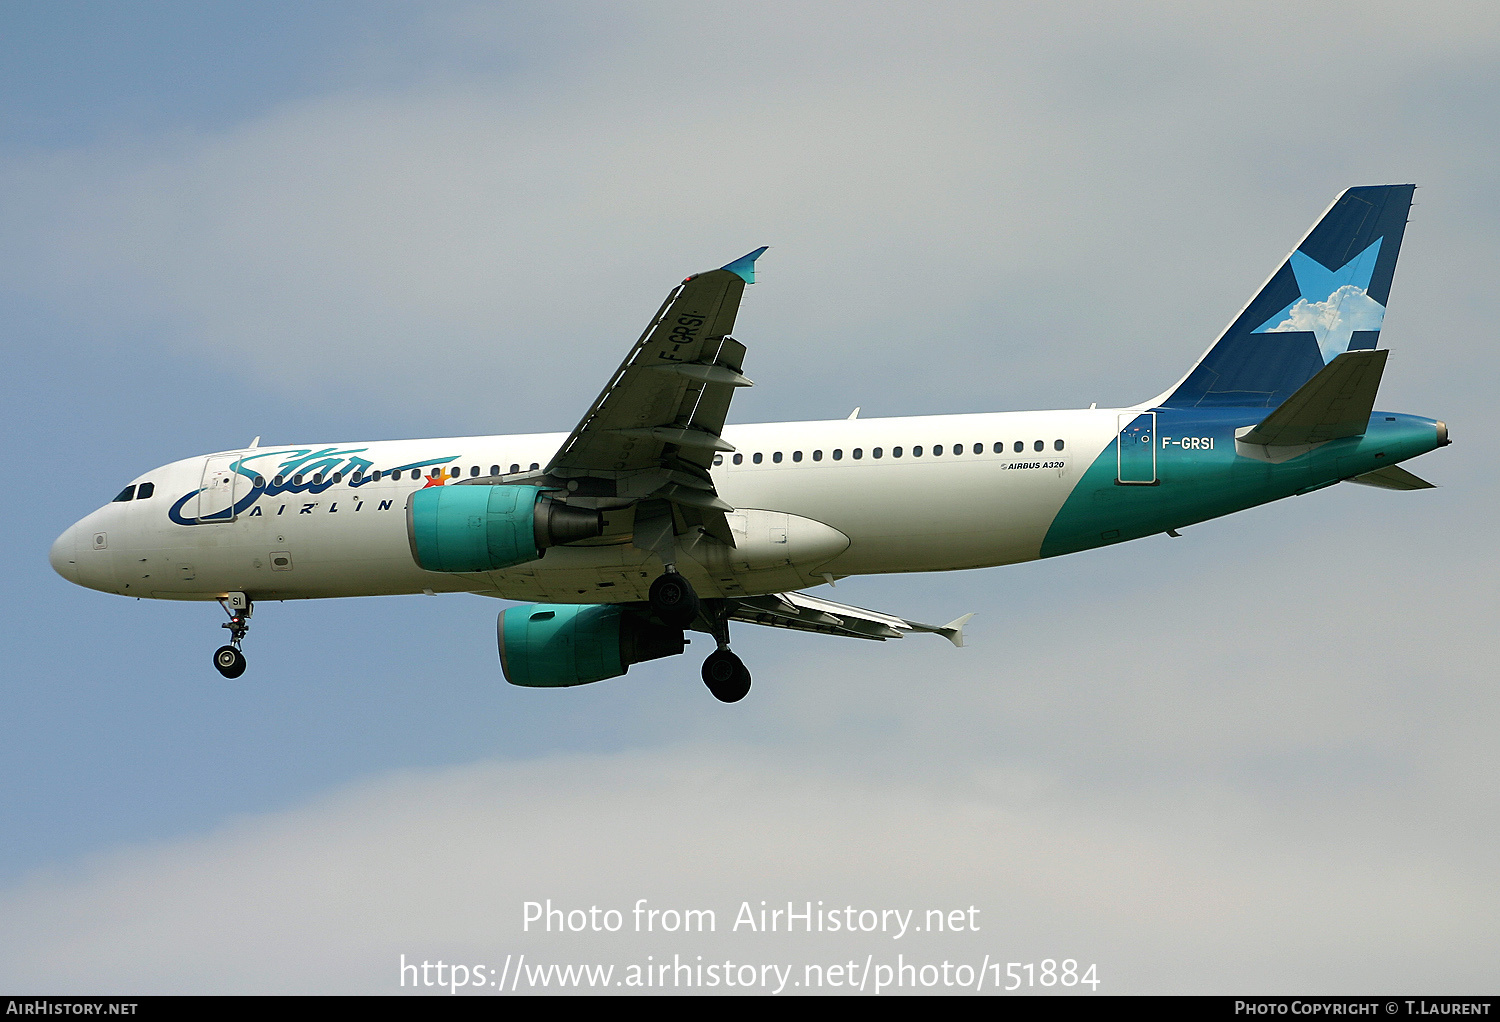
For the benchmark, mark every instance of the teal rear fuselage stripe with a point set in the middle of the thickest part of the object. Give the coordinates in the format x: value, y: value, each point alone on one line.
x: 1199, y: 482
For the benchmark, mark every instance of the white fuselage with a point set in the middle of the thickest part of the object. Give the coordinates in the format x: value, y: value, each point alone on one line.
x: 793, y: 486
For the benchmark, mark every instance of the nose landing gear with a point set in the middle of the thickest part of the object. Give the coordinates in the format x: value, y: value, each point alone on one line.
x: 228, y: 660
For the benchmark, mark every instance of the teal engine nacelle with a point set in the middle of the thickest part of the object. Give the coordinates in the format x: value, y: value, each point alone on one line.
x: 483, y: 528
x: 550, y: 645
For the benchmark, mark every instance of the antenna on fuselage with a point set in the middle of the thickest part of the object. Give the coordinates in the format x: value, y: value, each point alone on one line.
x: 253, y: 444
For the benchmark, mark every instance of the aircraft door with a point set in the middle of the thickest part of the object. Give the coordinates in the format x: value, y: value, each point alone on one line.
x: 1136, y: 450
x: 221, y: 487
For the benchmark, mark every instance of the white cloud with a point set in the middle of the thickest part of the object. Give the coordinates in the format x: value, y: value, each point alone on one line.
x: 1334, y: 320
x: 1200, y: 897
x: 927, y: 183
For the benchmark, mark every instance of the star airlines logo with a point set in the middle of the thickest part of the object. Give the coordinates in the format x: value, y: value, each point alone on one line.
x: 260, y: 474
x: 1334, y: 303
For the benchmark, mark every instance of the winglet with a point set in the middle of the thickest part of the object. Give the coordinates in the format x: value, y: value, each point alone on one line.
x: 745, y: 265
x: 953, y: 631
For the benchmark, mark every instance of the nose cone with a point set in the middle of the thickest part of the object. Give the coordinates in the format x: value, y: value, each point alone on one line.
x: 64, y: 555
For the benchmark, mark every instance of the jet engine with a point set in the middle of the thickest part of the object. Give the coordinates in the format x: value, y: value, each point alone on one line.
x: 483, y: 528
x: 547, y: 645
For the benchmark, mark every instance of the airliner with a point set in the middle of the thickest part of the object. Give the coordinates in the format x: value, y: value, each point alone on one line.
x: 653, y: 517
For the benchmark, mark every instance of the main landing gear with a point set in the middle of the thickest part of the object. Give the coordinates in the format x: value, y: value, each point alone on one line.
x: 673, y: 600
x: 228, y: 660
x: 726, y: 676
x: 675, y: 603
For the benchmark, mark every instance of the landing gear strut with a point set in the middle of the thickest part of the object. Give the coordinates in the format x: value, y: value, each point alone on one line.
x: 228, y: 660
x: 723, y: 672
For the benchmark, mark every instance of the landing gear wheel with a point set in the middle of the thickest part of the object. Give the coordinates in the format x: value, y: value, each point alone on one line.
x: 229, y: 661
x: 673, y: 600
x: 726, y: 676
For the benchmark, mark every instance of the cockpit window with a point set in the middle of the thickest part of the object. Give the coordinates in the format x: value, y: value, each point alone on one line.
x: 145, y: 490
x: 126, y: 494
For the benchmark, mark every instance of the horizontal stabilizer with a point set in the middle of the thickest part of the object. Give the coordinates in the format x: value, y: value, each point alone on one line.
x: 1335, y: 403
x: 1392, y: 477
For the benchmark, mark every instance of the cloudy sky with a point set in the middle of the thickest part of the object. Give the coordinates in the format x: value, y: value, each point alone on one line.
x: 1258, y: 759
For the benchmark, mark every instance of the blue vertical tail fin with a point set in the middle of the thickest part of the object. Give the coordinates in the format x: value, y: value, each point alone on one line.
x: 1327, y: 297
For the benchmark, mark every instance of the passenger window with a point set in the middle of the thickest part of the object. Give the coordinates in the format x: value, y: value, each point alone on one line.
x: 937, y: 449
x: 494, y: 470
x: 297, y: 479
x: 375, y: 476
x: 126, y: 494
x: 916, y: 452
x: 718, y: 459
x: 758, y: 458
x: 1039, y: 445
x: 958, y: 448
x: 895, y: 452
x: 338, y: 476
x: 356, y: 478
x: 817, y: 455
x: 317, y: 477
x: 474, y: 471
x: 979, y: 448
x: 147, y: 489
x: 514, y: 468
x: 876, y: 453
x: 1057, y: 445
x: 739, y: 459
x: 776, y: 457
x: 534, y: 466
x: 858, y: 453
x: 454, y: 472
x: 796, y: 455
x: 1020, y: 446
x: 838, y: 455
x: 999, y: 447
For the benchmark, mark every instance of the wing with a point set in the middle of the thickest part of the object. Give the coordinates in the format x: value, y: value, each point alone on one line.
x: 654, y: 430
x: 811, y: 614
